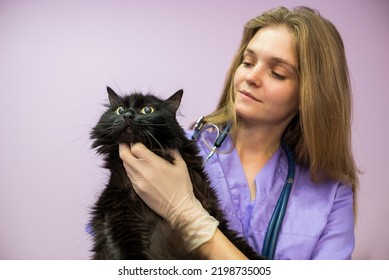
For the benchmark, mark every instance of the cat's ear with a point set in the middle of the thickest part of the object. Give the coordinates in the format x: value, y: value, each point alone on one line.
x: 112, y: 96
x: 174, y: 101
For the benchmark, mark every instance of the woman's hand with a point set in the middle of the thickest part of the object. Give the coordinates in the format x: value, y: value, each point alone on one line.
x: 167, y: 189
x: 164, y: 187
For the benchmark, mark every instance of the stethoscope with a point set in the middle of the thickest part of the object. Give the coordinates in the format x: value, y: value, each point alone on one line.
x: 220, y: 135
x: 273, y: 229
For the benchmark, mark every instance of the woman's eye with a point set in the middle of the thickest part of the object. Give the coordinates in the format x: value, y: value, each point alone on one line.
x: 120, y: 111
x: 147, y: 110
x: 278, y: 76
x: 247, y: 64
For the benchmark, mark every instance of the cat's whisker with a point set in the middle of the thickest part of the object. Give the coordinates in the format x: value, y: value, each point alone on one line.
x: 148, y: 133
x: 152, y: 124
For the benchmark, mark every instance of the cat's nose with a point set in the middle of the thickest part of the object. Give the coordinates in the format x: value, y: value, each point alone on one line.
x: 130, y: 114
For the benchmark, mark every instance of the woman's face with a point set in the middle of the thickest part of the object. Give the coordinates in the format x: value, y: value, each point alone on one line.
x: 266, y: 82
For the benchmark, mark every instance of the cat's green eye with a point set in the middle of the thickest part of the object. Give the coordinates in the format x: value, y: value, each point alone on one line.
x: 120, y: 110
x: 147, y: 110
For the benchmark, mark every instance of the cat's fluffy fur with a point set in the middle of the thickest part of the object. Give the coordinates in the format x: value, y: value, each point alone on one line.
x: 123, y: 226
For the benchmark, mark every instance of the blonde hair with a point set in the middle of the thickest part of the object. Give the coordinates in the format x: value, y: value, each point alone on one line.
x: 320, y: 134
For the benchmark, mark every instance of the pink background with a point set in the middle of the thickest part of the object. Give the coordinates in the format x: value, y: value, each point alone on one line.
x: 57, y: 57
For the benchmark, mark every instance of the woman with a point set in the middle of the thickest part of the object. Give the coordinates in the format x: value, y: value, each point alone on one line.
x: 288, y: 86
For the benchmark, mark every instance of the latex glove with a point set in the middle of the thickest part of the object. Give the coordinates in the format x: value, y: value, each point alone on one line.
x: 167, y: 189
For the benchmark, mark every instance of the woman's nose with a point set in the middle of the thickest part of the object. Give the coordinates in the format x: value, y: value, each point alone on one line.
x: 254, y: 76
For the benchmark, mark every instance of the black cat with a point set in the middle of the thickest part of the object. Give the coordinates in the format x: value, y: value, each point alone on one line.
x: 123, y: 226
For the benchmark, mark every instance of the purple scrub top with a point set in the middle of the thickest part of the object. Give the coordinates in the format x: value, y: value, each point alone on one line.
x: 319, y: 219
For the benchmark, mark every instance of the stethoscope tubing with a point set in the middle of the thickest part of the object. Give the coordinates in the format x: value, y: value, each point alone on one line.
x: 273, y: 230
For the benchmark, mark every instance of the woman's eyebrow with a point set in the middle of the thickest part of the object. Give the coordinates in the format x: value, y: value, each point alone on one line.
x: 248, y: 51
x: 273, y: 60
x: 278, y: 60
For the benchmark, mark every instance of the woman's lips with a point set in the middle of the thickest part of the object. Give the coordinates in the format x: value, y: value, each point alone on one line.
x: 249, y: 95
